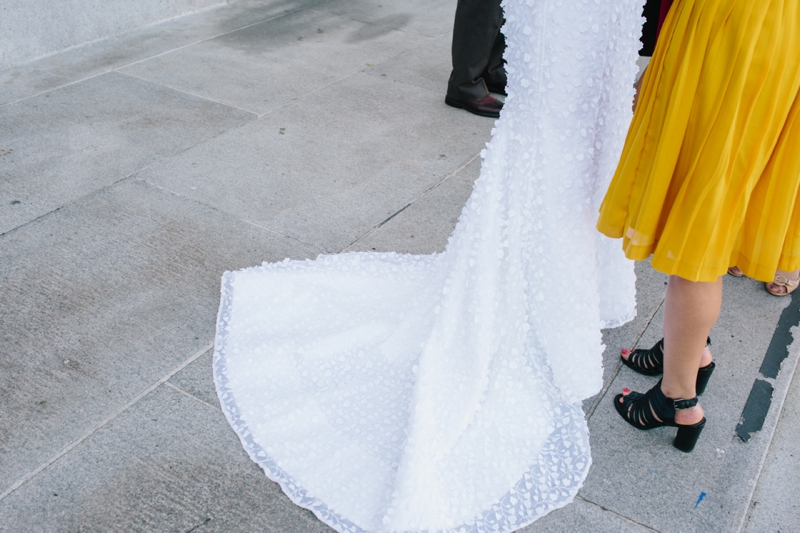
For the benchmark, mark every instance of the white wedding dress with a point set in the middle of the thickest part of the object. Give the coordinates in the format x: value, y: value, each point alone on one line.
x: 402, y: 393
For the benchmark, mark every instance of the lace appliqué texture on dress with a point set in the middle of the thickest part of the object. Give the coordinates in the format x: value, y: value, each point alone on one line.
x: 397, y: 393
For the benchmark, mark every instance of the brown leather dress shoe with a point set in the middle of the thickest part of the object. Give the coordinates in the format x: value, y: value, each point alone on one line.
x: 488, y: 106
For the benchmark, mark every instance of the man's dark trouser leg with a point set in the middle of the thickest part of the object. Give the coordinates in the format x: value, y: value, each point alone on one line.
x: 495, y: 73
x: 477, y: 49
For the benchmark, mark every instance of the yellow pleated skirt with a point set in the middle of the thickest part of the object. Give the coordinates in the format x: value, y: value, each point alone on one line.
x: 710, y: 173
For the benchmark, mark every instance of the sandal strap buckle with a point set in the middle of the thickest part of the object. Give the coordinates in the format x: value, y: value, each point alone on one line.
x: 684, y: 404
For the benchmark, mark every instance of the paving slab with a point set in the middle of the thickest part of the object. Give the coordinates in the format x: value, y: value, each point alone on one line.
x: 168, y: 463
x: 427, y: 66
x: 775, y: 507
x: 641, y: 476
x: 107, y: 295
x: 70, y: 66
x: 425, y: 17
x: 384, y: 144
x: 66, y: 143
x: 264, y: 66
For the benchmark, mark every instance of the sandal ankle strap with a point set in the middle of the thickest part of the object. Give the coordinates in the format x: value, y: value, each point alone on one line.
x: 684, y: 404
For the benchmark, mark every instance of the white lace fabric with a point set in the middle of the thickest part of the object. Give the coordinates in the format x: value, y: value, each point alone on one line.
x: 399, y: 393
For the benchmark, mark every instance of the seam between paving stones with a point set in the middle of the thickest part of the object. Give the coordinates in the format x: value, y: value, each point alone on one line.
x: 229, y: 214
x: 194, y: 95
x: 256, y: 113
x: 165, y: 52
x: 613, y: 376
x: 192, y: 396
x: 623, y: 517
x: 98, y: 425
x: 412, y: 202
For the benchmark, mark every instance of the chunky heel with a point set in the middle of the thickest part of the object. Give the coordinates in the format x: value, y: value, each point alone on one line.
x: 703, y: 375
x: 687, y: 436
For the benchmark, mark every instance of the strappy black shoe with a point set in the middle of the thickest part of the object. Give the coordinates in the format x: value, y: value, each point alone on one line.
x: 651, y: 363
x: 637, y: 409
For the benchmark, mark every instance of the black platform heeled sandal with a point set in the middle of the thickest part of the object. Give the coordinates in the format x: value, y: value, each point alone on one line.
x: 651, y: 363
x: 638, y: 410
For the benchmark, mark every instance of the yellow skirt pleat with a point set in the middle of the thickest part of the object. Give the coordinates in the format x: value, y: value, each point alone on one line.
x: 710, y: 173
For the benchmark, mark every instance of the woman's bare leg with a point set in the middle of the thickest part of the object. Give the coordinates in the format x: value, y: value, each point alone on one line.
x: 690, y: 311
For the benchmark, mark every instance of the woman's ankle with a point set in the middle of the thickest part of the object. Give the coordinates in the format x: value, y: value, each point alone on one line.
x: 685, y: 417
x: 688, y: 417
x: 677, y: 390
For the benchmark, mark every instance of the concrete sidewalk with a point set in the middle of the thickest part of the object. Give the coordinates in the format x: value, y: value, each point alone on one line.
x: 134, y: 171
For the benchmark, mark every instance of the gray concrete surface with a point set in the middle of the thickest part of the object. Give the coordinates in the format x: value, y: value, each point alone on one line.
x: 264, y: 66
x: 92, y: 138
x: 23, y: 81
x: 169, y: 463
x: 30, y: 29
x: 722, y: 467
x: 101, y: 299
x: 379, y: 144
x: 775, y: 506
x: 135, y: 170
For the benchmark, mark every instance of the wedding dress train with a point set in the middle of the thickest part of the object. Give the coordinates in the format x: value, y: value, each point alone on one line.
x: 389, y: 392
